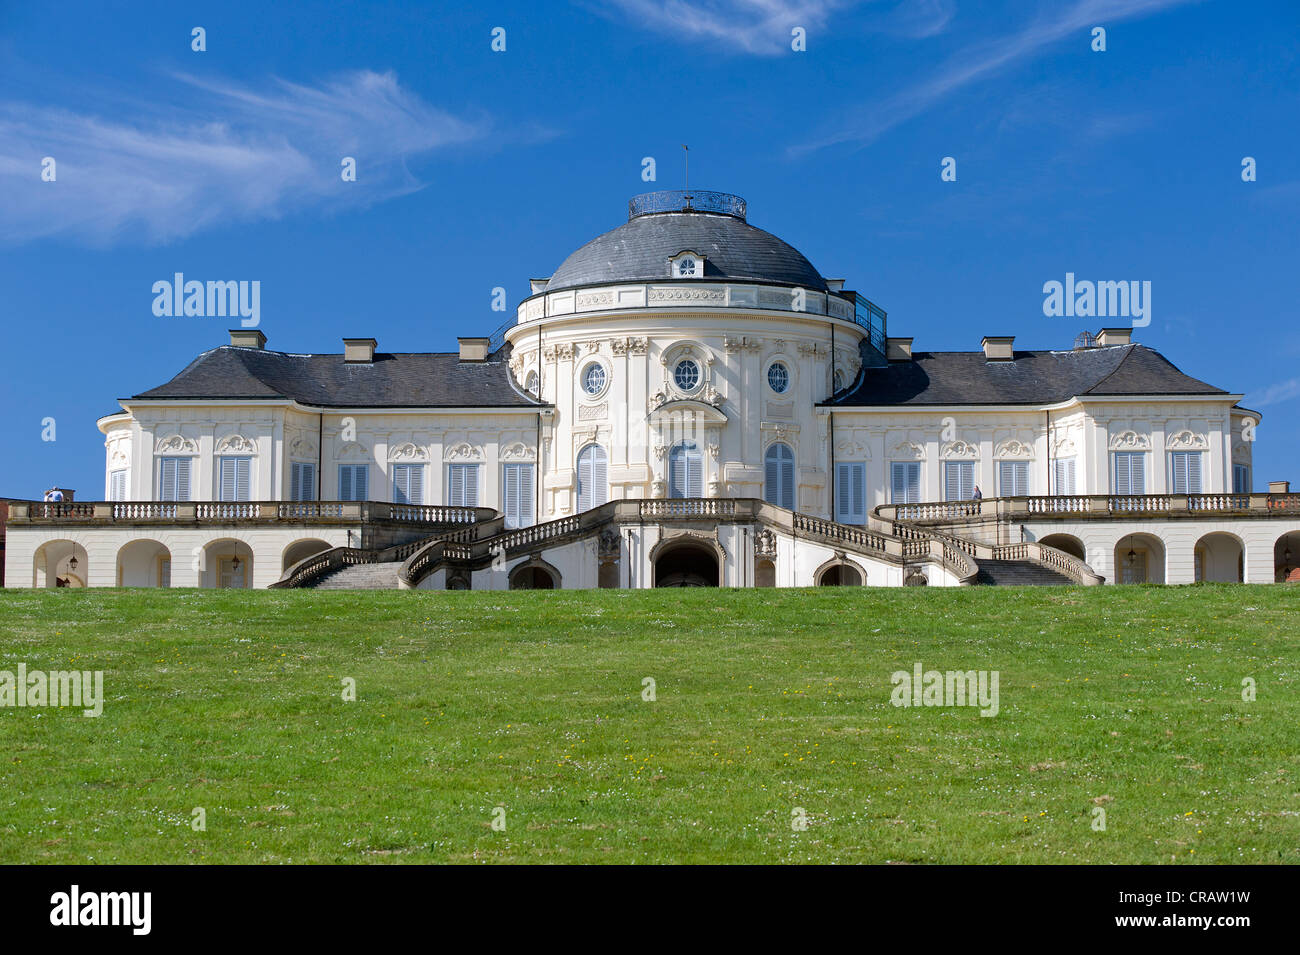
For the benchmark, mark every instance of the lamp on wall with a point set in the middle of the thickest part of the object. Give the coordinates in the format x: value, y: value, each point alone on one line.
x: 1131, y: 557
x: 234, y: 564
x: 72, y: 563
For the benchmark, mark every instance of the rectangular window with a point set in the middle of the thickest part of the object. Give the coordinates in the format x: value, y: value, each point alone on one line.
x: 462, y: 485
x: 234, y: 474
x: 1241, y: 479
x: 408, y: 483
x: 851, y: 492
x: 117, y: 485
x: 905, y: 482
x: 354, y: 482
x: 1063, y: 475
x: 302, y: 481
x: 518, y: 494
x: 1013, y: 478
x: 958, y: 480
x: 1129, y: 472
x: 173, y: 479
x: 1185, y: 472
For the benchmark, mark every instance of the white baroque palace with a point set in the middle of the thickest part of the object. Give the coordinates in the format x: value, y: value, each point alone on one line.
x: 685, y: 401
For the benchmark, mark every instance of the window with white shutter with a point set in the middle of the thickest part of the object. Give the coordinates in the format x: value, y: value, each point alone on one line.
x: 1013, y: 478
x: 408, y: 483
x: 778, y: 488
x: 1185, y: 472
x: 593, y: 480
x: 173, y: 479
x: 233, y: 478
x: 1064, y: 476
x: 117, y: 485
x: 462, y: 485
x: 518, y: 494
x: 905, y: 482
x: 685, y: 471
x: 1130, y: 472
x: 851, y: 492
x: 958, y: 480
x: 354, y: 482
x: 302, y: 481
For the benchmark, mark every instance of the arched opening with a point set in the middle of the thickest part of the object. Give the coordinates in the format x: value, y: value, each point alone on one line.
x: 839, y: 575
x: 1066, y: 542
x: 60, y: 563
x: 778, y: 474
x: 1219, y: 558
x: 144, y: 563
x: 1286, y: 558
x: 764, y: 573
x: 1139, y: 559
x: 916, y: 579
x: 458, y: 581
x: 534, y: 576
x: 685, y: 470
x: 301, y: 550
x: 687, y: 565
x: 227, y: 564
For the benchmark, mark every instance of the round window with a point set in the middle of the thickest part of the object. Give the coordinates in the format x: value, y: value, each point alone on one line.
x: 593, y: 379
x: 686, y: 375
x: 778, y: 377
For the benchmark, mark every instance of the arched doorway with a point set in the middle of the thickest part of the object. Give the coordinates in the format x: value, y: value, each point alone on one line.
x: 839, y: 575
x: 1219, y: 558
x: 1286, y: 558
x: 764, y: 573
x: 60, y: 563
x: 1139, y: 559
x: 534, y: 576
x: 301, y: 550
x: 144, y: 563
x: 227, y: 565
x: 686, y: 565
x: 1066, y: 542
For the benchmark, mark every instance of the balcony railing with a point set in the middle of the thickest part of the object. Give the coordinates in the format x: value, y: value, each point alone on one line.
x: 1095, y: 506
x: 236, y: 512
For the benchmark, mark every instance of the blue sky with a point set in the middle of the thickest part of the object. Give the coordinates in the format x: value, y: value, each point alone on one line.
x: 479, y: 169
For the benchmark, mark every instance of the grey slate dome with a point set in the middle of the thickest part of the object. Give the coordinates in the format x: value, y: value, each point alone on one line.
x: 662, y: 224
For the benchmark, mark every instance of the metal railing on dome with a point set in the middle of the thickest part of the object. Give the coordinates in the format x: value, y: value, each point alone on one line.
x: 686, y: 200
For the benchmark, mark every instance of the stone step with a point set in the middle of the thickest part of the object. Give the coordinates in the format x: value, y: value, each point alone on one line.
x: 381, y: 576
x: 1019, y: 573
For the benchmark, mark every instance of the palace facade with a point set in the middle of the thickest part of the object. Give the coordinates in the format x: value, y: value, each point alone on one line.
x: 686, y: 400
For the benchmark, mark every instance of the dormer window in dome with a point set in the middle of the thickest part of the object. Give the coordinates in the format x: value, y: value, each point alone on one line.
x: 687, y: 265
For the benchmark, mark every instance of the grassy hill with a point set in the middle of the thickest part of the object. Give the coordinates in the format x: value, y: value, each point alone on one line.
x: 1127, y: 699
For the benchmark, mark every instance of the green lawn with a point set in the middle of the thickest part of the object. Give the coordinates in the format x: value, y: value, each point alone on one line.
x: 1127, y: 698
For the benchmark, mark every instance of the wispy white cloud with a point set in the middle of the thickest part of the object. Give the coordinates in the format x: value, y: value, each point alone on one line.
x: 978, y: 61
x: 1273, y: 394
x: 745, y: 26
x: 231, y: 153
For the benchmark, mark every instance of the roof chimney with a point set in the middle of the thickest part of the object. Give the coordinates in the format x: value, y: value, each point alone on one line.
x: 247, y: 338
x: 1279, y: 487
x: 1114, y: 336
x: 473, y: 349
x: 998, y: 347
x: 359, y: 351
x: 898, y: 349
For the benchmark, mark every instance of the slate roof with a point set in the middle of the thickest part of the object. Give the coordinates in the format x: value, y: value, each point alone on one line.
x: 640, y: 250
x: 400, y: 380
x: 1032, y: 378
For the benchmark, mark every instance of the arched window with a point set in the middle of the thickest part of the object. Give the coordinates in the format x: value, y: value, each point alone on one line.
x: 530, y: 383
x: 685, y: 470
x: 593, y: 485
x: 779, y: 486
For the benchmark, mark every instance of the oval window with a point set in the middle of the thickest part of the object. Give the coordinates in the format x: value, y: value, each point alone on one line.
x: 686, y: 375
x: 593, y: 379
x: 778, y: 377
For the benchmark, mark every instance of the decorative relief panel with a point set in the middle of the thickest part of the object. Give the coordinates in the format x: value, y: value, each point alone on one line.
x: 464, y: 451
x: 959, y: 449
x: 907, y: 451
x: 1187, y: 440
x: 1015, y: 448
x: 235, y: 444
x: 593, y: 412
x: 518, y: 451
x: 1130, y: 441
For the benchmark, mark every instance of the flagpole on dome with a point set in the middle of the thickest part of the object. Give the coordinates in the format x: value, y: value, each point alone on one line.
x: 688, y: 174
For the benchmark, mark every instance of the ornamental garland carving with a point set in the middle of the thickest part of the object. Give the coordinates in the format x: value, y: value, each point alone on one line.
x: 1187, y: 440
x: 908, y: 451
x: 959, y: 449
x: 408, y: 451
x: 765, y: 544
x: 1014, y: 448
x: 235, y: 444
x: 463, y: 452
x: 1130, y: 441
x: 518, y: 451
